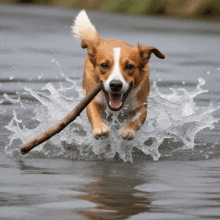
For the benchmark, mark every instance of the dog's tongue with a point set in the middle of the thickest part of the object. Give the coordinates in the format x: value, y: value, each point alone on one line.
x: 115, y: 100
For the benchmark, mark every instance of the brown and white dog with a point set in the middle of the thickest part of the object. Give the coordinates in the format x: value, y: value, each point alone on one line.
x: 124, y: 73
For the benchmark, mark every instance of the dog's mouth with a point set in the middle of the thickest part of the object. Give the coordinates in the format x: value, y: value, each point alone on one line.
x: 116, y: 100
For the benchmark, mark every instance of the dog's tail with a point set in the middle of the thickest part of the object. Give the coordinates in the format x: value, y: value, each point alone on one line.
x: 83, y: 29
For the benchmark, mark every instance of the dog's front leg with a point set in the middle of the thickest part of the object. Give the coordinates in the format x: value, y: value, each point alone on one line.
x: 138, y: 118
x: 94, y: 113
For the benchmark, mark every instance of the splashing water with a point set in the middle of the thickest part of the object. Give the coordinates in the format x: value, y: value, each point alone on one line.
x: 174, y: 116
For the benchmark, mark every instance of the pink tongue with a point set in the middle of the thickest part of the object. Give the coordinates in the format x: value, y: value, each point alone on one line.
x: 115, y: 100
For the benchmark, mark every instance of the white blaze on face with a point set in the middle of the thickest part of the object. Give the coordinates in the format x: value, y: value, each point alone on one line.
x: 116, y: 73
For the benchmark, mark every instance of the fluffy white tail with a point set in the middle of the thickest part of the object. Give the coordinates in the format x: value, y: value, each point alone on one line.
x: 83, y: 29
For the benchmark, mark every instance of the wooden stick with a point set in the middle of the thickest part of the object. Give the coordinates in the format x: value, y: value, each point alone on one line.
x: 61, y: 124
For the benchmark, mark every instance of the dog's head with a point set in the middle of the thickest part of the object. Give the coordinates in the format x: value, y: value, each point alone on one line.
x: 119, y: 67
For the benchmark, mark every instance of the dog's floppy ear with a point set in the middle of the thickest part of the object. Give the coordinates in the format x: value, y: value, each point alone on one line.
x: 91, y: 48
x: 145, y: 53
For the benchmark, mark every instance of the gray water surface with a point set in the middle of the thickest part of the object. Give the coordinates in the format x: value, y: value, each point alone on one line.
x: 36, y: 48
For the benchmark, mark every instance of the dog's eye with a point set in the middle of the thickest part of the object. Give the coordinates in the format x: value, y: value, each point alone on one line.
x: 104, y: 65
x: 129, y: 67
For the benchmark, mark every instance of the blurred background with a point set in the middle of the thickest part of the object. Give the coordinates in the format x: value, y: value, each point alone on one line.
x: 209, y: 9
x: 76, y: 177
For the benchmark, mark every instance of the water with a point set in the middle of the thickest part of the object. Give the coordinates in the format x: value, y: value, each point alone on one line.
x: 169, y: 171
x: 172, y: 116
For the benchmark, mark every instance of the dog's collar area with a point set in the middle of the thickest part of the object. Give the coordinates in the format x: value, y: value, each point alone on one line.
x: 116, y: 100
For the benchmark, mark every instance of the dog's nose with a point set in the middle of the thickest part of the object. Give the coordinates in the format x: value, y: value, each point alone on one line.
x: 115, y: 85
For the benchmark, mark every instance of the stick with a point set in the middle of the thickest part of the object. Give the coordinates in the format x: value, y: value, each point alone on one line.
x: 61, y: 124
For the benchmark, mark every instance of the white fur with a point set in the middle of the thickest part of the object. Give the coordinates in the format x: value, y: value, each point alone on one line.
x: 131, y: 102
x: 82, y: 27
x: 116, y: 73
x: 100, y: 98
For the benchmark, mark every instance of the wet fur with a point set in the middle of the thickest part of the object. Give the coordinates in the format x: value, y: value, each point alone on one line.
x: 102, y: 51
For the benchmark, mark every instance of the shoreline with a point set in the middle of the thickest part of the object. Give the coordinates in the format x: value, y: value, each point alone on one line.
x: 201, y: 9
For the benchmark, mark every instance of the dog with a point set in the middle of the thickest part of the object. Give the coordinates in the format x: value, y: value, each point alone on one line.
x: 123, y: 72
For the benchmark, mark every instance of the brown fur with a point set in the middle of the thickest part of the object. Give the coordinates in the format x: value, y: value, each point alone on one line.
x: 101, y: 51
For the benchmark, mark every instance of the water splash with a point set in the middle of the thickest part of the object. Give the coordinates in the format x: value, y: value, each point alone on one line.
x: 174, y: 116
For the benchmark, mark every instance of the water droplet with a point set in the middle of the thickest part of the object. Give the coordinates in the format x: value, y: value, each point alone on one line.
x: 11, y: 77
x: 201, y: 81
x: 206, y: 156
x: 208, y: 72
x: 183, y: 82
x: 52, y: 60
x: 39, y: 77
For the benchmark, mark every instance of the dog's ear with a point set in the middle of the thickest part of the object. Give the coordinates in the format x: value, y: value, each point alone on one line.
x: 91, y: 49
x: 145, y: 53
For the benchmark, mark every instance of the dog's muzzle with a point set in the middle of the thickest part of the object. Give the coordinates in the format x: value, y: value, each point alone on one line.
x: 115, y: 98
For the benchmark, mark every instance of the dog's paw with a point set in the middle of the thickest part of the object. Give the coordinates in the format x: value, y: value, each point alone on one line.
x: 100, y: 131
x: 127, y: 133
